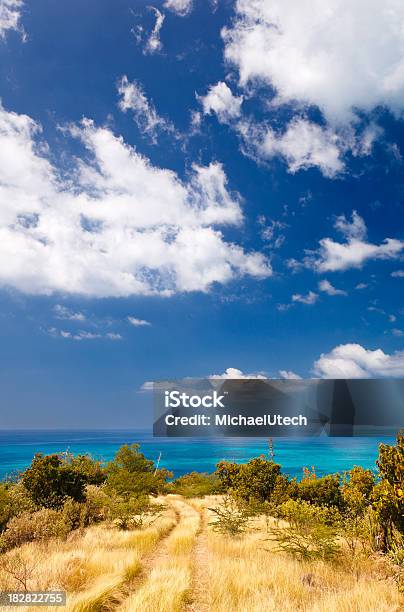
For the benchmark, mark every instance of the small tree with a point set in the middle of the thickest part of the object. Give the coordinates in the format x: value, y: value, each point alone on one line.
x: 254, y: 480
x: 50, y: 481
x: 323, y: 491
x: 231, y: 516
x: 130, y: 473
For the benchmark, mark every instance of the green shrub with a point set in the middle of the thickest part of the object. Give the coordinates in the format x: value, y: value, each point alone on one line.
x: 311, y: 532
x: 91, y: 470
x: 41, y: 525
x: 357, y: 490
x: 130, y: 473
x: 253, y: 480
x: 73, y: 515
x: 196, y: 484
x: 388, y: 494
x: 5, y: 506
x: 231, y: 516
x: 97, y: 504
x: 50, y: 481
x: 14, y: 500
x: 323, y: 491
x: 134, y: 512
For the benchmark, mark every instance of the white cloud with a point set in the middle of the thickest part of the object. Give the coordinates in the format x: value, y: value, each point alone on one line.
x: 10, y: 14
x: 117, y: 225
x: 303, y: 145
x: 153, y: 44
x: 145, y: 115
x: 221, y: 101
x: 398, y: 274
x: 352, y: 230
x: 138, y: 322
x: 147, y: 386
x: 329, y: 289
x: 399, y: 333
x: 334, y: 256
x: 362, y: 286
x: 234, y: 373
x: 113, y: 336
x: 308, y: 52
x: 354, y: 361
x: 289, y: 375
x: 180, y: 7
x: 83, y: 335
x: 310, y: 298
x: 61, y: 312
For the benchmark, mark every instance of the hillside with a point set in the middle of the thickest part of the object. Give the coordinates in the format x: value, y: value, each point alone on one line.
x: 180, y: 564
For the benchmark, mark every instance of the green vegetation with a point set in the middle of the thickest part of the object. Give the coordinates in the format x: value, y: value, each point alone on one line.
x: 196, y: 484
x: 315, y: 518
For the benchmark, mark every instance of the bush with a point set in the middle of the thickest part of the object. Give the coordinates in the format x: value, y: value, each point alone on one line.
x: 91, y: 470
x: 323, y: 491
x: 134, y: 512
x: 50, y: 481
x: 196, y: 485
x: 388, y: 494
x: 97, y: 504
x: 27, y: 527
x: 5, y: 506
x: 14, y: 500
x: 357, y: 490
x: 311, y: 532
x: 231, y: 516
x: 130, y: 473
x: 74, y: 515
x: 254, y: 480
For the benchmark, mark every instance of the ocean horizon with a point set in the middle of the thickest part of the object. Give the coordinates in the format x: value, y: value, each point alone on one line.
x: 183, y: 455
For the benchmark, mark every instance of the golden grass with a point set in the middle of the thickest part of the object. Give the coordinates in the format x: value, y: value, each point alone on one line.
x: 94, y: 568
x: 103, y: 569
x: 246, y: 574
x: 169, y: 581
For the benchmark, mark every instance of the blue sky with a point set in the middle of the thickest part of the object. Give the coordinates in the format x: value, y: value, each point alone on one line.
x: 195, y: 188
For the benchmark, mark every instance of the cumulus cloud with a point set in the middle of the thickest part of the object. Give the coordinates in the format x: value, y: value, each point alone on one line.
x: 303, y: 145
x: 326, y: 287
x: 307, y: 51
x: 180, y: 7
x: 10, y: 14
x: 234, y: 373
x: 148, y: 121
x: 309, y: 299
x: 289, y: 375
x: 153, y: 44
x: 138, y: 322
x: 221, y: 101
x: 398, y: 274
x: 117, y: 225
x: 335, y: 256
x: 354, y: 361
x: 63, y: 313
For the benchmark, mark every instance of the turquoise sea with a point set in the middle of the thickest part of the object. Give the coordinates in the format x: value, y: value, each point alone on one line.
x: 182, y: 455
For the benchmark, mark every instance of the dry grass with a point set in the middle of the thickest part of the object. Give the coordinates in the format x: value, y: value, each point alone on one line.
x: 95, y: 568
x: 143, y: 571
x: 168, y: 583
x: 246, y: 574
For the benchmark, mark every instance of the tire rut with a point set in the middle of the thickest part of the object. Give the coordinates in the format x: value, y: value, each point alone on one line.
x: 199, y: 593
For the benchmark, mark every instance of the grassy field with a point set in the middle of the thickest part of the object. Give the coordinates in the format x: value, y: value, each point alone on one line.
x: 180, y: 564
